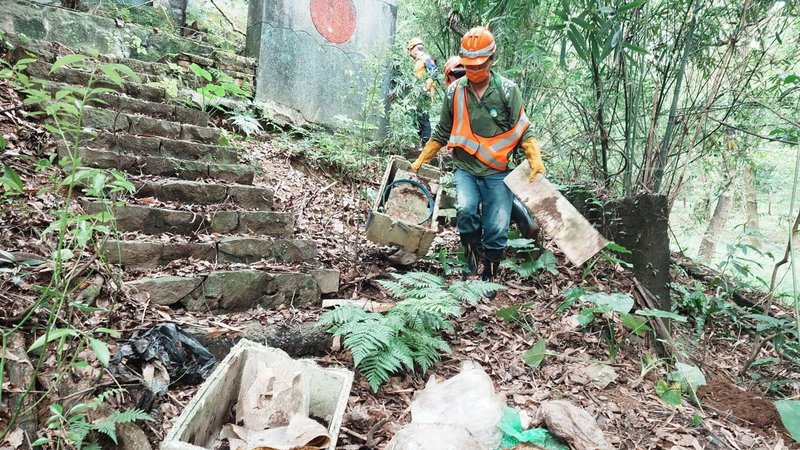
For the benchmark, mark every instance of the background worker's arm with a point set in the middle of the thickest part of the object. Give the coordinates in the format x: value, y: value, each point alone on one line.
x: 441, y: 134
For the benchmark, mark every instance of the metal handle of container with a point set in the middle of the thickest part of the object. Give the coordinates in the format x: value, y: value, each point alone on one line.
x: 419, y: 186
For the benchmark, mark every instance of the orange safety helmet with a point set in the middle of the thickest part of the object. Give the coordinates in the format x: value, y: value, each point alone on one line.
x: 412, y: 43
x: 477, y: 46
x: 453, y: 70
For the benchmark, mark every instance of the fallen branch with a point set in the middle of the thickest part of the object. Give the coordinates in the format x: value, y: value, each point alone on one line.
x: 668, y: 347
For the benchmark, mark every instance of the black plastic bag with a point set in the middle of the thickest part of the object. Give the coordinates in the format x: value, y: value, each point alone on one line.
x: 162, y: 356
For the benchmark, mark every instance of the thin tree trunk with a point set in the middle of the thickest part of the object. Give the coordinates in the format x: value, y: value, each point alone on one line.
x: 666, y: 143
x: 716, y: 225
x: 751, y: 207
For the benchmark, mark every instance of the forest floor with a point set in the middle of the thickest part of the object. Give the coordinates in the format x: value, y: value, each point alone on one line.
x: 733, y: 412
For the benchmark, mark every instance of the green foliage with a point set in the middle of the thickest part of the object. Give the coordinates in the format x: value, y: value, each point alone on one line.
x: 70, y: 234
x: 528, y: 260
x: 606, y: 308
x: 449, y: 265
x: 669, y: 392
x: 696, y: 304
x: 341, y: 151
x: 535, y: 355
x: 408, y: 336
x: 214, y: 86
x: 245, y: 122
x: 790, y: 416
x: 74, y: 426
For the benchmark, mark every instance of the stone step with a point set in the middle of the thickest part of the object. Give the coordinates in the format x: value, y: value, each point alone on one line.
x: 199, y: 193
x: 130, y: 105
x: 222, y: 291
x: 238, y: 67
x: 152, y: 253
x: 156, y: 146
x: 82, y: 78
x: 162, y: 166
x: 152, y: 220
x: 108, y: 120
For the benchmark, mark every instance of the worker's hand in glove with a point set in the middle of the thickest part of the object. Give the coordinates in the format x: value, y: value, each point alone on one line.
x: 534, y: 155
x: 430, y: 150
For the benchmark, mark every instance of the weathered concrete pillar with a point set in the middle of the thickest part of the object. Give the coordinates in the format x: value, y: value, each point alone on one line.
x: 641, y: 223
x: 319, y: 59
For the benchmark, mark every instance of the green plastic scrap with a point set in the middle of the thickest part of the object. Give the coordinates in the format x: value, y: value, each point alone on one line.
x: 511, y: 426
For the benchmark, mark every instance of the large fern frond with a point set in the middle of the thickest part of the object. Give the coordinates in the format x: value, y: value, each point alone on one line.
x: 472, y: 291
x: 419, y: 280
x: 341, y: 314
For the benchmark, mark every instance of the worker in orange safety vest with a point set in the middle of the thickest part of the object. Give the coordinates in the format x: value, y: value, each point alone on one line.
x: 424, y: 68
x: 483, y: 121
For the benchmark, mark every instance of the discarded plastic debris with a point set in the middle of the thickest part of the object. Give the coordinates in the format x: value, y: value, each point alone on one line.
x: 465, y: 402
x: 284, y: 404
x: 574, y: 425
x: 513, y: 434
x: 163, y: 355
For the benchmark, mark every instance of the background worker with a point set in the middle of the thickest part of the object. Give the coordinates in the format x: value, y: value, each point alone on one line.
x: 424, y: 69
x: 483, y: 121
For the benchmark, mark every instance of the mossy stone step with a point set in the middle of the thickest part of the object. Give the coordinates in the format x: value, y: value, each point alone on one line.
x: 200, y: 193
x: 222, y: 291
x: 105, y: 119
x: 130, y: 105
x: 152, y: 220
x: 163, y: 166
x: 82, y: 78
x: 151, y: 253
x: 157, y: 146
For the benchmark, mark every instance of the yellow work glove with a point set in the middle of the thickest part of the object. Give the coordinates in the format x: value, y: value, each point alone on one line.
x: 430, y: 150
x: 534, y: 155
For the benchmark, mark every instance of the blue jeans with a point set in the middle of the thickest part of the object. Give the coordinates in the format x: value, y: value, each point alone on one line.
x: 483, y: 204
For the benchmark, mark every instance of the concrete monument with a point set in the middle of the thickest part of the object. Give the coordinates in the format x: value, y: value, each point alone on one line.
x: 318, y: 59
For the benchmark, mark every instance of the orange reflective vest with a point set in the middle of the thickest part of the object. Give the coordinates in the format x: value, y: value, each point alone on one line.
x: 492, y: 151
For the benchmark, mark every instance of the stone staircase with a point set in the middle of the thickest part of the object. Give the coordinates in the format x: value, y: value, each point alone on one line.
x: 195, y: 199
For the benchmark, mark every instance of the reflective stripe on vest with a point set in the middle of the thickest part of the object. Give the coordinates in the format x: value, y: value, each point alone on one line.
x: 492, y: 151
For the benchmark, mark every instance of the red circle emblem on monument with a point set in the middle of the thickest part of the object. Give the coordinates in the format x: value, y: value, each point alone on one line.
x: 334, y: 19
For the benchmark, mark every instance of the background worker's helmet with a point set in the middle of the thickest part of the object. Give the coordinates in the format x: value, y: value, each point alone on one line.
x: 413, y: 43
x: 453, y: 70
x: 477, y: 46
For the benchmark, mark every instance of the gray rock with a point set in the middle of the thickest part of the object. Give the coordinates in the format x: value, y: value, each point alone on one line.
x: 296, y: 339
x: 237, y: 173
x: 165, y: 290
x: 266, y: 223
x: 206, y: 135
x: 327, y: 280
x: 252, y: 197
x: 151, y: 126
x: 247, y: 249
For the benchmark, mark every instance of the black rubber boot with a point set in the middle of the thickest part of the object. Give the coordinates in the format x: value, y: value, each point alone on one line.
x: 491, y: 268
x: 471, y: 244
x: 528, y: 228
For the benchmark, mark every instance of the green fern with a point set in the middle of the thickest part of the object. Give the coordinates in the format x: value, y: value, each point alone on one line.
x: 409, y: 336
x: 473, y: 291
x: 79, y: 427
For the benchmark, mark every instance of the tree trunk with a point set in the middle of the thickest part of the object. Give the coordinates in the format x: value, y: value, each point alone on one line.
x: 751, y: 206
x: 716, y: 225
